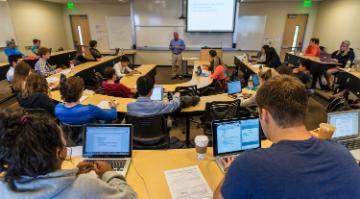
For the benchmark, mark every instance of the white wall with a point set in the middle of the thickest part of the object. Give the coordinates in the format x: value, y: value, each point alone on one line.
x: 336, y: 21
x: 37, y: 19
x: 96, y: 15
x: 276, y: 13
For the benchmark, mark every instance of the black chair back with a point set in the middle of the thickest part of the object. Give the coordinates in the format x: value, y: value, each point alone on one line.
x: 73, y: 134
x: 218, y: 111
x: 188, y: 90
x: 150, y: 132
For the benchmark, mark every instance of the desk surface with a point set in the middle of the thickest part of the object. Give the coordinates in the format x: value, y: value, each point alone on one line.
x: 199, y: 81
x: 130, y: 81
x: 3, y: 64
x: 151, y: 165
x: 354, y: 73
x: 254, y: 68
x: 314, y: 59
x: 62, y: 52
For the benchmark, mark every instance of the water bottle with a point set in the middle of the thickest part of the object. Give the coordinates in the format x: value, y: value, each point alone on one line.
x: 250, y: 83
x: 348, y: 65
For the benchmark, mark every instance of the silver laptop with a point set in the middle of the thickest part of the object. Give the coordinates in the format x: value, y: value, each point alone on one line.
x: 109, y: 143
x: 232, y: 137
x: 347, y: 130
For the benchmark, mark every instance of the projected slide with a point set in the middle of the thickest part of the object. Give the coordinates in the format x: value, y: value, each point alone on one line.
x: 210, y: 15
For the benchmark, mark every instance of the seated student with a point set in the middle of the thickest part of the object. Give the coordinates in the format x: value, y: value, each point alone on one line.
x: 313, y: 49
x: 113, y: 87
x: 215, y: 60
x: 22, y: 70
x: 13, y: 61
x: 42, y: 67
x: 33, y: 150
x: 80, y: 56
x: 35, y: 47
x: 220, y: 73
x: 94, y: 52
x: 11, y: 49
x: 144, y: 106
x: 302, y: 71
x: 297, y: 165
x: 264, y: 75
x: 122, y: 68
x: 35, y: 94
x: 344, y: 54
x: 272, y: 59
x: 72, y: 112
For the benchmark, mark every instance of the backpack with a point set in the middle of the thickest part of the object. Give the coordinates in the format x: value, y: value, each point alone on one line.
x: 338, y: 104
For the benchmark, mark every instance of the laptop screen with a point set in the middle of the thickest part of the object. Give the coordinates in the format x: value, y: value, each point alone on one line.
x: 158, y: 93
x: 255, y: 80
x: 107, y: 141
x: 346, y: 123
x: 234, y: 87
x: 232, y: 136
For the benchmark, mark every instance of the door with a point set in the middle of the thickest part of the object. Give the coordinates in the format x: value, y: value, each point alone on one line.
x: 80, y: 30
x: 294, y: 33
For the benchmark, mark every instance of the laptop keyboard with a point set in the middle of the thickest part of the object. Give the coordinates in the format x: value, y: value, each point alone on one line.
x: 351, y: 144
x: 117, y: 165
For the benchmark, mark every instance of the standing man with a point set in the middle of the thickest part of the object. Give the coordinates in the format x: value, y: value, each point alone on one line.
x: 177, y: 46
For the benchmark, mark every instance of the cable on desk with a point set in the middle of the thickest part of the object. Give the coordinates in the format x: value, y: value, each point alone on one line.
x: 142, y: 178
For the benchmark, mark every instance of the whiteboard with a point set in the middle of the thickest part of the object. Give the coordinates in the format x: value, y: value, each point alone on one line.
x: 6, y: 29
x: 251, y: 30
x: 160, y: 37
x: 119, y: 31
x: 158, y: 13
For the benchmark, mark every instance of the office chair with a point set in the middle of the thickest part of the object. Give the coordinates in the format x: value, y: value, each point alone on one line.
x: 218, y: 111
x: 150, y: 132
x: 73, y: 134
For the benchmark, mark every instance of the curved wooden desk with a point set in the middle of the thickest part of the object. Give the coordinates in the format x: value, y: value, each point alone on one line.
x: 151, y: 164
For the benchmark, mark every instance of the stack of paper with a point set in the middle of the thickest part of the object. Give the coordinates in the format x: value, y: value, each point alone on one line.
x: 65, y: 72
x: 83, y: 98
x: 188, y: 183
x: 52, y: 79
x: 104, y: 105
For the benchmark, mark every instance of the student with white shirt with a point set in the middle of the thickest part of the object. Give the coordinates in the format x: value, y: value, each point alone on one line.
x: 122, y: 68
x: 13, y: 61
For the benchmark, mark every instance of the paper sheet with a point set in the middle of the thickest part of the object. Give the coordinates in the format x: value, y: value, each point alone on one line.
x: 188, y: 183
x: 104, y: 105
x: 75, y: 151
x: 65, y: 72
x: 52, y: 79
x: 83, y: 98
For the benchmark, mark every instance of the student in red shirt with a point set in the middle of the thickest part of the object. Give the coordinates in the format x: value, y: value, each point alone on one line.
x: 219, y: 73
x: 114, y: 88
x: 313, y: 49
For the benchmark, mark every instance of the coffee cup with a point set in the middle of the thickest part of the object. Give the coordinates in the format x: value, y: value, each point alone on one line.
x: 326, y: 131
x: 201, y: 143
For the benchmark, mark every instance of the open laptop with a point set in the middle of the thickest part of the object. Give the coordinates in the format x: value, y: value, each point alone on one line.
x: 325, y: 57
x: 233, y: 88
x: 347, y: 131
x: 158, y: 93
x: 233, y: 136
x: 111, y: 143
x: 255, y: 80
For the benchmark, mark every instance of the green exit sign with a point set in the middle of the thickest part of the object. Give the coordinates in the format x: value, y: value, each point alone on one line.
x: 307, y: 3
x: 70, y: 5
